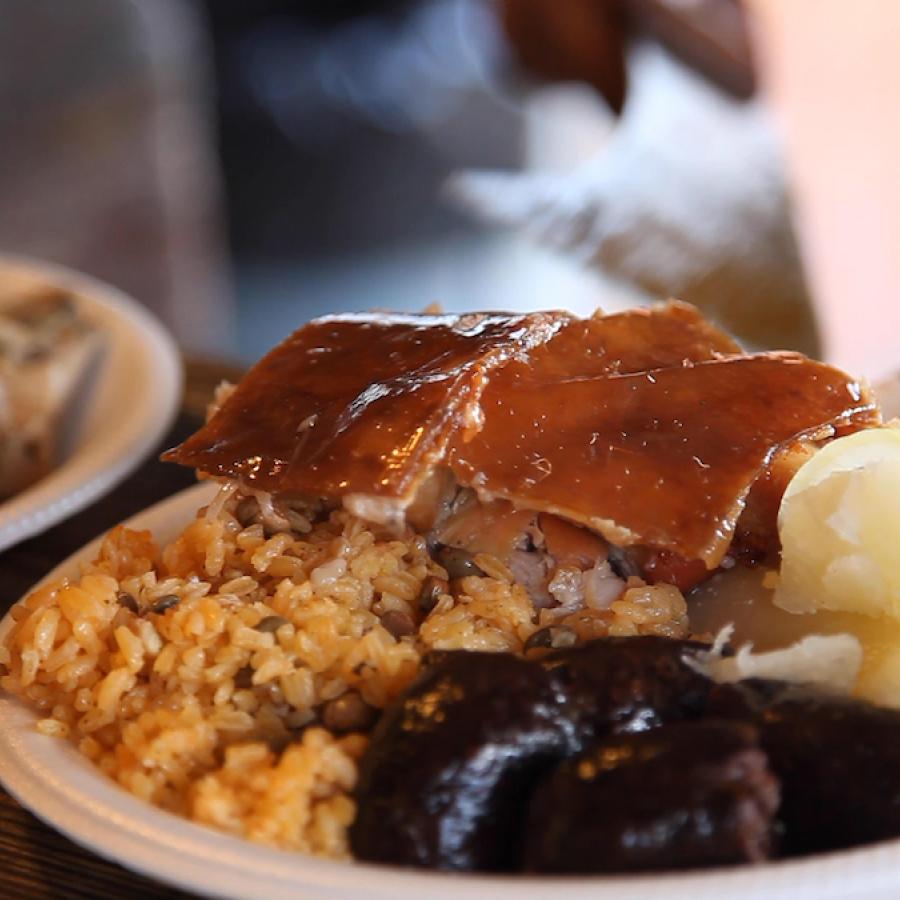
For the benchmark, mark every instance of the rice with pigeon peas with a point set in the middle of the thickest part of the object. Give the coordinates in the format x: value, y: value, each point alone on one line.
x: 231, y: 676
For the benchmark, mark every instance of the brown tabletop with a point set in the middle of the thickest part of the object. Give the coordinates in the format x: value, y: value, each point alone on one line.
x: 36, y: 861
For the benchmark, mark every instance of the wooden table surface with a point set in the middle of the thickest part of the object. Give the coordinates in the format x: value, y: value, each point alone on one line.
x: 36, y: 862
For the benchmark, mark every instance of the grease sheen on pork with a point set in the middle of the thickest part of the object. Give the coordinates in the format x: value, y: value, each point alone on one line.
x: 646, y: 426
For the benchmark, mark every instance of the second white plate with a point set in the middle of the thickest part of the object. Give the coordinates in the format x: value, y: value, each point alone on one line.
x: 121, y: 415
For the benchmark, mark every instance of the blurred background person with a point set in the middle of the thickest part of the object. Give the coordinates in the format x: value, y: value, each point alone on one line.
x: 684, y: 194
x: 625, y: 134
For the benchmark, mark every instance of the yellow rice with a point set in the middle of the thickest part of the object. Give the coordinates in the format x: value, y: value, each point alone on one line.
x: 197, y: 711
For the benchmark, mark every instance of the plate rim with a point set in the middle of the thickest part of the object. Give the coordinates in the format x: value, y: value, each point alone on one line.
x: 50, y: 778
x: 77, y: 481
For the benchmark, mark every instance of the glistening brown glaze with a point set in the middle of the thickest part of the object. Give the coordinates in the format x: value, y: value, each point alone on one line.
x: 636, y: 340
x: 367, y: 403
x: 358, y: 404
x: 662, y: 458
x: 640, y: 424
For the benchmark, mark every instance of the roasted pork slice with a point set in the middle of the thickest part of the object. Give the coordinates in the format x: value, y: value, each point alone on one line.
x: 532, y: 545
x: 756, y: 536
x: 662, y: 458
x: 647, y: 427
x: 636, y: 340
x: 360, y: 407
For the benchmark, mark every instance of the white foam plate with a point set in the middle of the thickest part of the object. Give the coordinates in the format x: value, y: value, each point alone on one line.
x: 118, y: 416
x: 60, y: 786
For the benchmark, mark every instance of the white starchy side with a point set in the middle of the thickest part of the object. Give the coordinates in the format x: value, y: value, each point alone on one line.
x: 831, y: 662
x: 839, y: 525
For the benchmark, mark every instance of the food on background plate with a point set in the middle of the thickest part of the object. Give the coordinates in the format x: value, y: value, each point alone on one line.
x: 46, y: 348
x: 306, y: 663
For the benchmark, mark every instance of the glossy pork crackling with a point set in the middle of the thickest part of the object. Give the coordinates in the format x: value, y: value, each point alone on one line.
x: 477, y: 593
x: 642, y: 445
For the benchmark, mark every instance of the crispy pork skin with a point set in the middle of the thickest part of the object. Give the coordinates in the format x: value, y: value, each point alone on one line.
x: 649, y: 427
x: 360, y: 406
x: 661, y: 458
